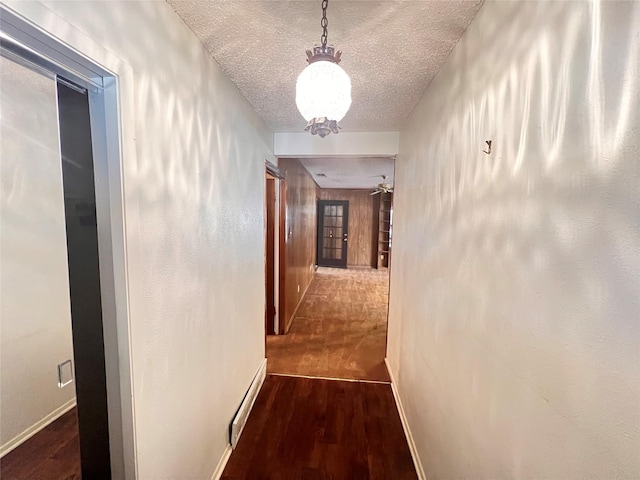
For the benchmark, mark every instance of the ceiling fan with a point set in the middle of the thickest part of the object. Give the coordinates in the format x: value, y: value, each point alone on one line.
x: 383, y: 187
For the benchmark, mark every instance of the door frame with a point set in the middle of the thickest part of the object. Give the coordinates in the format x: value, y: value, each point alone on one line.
x: 282, y: 256
x: 271, y: 254
x: 111, y: 100
x: 280, y: 244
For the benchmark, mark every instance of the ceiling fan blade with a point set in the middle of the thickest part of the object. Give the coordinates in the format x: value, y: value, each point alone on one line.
x: 375, y: 192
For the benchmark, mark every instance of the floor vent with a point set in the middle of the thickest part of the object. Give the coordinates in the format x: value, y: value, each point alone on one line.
x: 242, y: 414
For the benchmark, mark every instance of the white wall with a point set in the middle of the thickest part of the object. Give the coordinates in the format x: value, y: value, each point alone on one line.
x: 194, y: 153
x: 356, y: 144
x: 35, y: 311
x: 514, y: 327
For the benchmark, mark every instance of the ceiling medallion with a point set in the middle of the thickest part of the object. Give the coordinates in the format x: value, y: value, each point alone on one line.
x: 323, y: 90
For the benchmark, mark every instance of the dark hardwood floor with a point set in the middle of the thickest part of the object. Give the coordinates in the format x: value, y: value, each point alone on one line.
x: 303, y: 428
x: 51, y: 454
x: 300, y: 428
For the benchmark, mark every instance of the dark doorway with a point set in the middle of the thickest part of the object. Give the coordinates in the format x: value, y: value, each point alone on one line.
x: 84, y: 280
x: 282, y: 254
x: 333, y: 233
x: 270, y: 307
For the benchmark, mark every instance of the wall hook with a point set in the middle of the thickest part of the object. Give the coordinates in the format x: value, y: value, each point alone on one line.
x: 488, y: 150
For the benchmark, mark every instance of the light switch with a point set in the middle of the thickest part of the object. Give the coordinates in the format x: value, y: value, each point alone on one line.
x: 65, y: 373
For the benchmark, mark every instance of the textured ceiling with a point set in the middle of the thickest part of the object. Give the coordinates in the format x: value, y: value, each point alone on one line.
x: 349, y: 172
x: 391, y: 50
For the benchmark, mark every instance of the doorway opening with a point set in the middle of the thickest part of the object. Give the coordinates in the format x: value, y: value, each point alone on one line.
x: 338, y: 251
x: 271, y: 284
x: 63, y: 231
x: 275, y: 191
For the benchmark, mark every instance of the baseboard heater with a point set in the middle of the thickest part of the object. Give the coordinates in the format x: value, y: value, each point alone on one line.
x: 240, y: 419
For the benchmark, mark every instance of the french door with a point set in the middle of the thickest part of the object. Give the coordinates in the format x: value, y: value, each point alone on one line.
x: 333, y: 233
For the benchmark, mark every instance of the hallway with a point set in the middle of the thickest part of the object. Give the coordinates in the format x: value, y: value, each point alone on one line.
x: 320, y: 428
x: 340, y: 329
x: 510, y: 347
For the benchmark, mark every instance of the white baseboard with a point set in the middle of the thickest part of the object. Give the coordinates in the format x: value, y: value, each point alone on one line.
x: 405, y: 425
x: 240, y: 420
x: 32, y: 430
x: 217, y: 473
x: 247, y: 406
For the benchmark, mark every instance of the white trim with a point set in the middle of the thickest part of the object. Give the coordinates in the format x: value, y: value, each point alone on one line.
x: 217, y: 473
x: 261, y: 375
x: 35, y: 428
x: 242, y: 416
x: 405, y: 425
x: 36, y: 26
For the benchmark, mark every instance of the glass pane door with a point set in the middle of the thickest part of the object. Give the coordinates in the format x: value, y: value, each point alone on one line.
x: 332, y: 233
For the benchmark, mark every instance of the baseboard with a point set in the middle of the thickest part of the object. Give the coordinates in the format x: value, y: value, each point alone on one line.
x: 240, y: 420
x: 32, y: 430
x: 217, y: 473
x: 405, y: 425
x: 256, y: 385
x: 295, y: 311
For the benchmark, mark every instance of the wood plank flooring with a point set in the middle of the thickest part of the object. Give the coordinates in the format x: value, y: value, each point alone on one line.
x: 51, y: 454
x: 299, y: 428
x: 303, y: 428
x: 340, y: 330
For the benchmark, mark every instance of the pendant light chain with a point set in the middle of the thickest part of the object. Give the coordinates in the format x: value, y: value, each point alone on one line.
x: 323, y: 89
x: 324, y: 23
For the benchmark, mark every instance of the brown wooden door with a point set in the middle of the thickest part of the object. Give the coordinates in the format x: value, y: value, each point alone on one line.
x: 270, y: 309
x: 282, y: 257
x: 333, y: 233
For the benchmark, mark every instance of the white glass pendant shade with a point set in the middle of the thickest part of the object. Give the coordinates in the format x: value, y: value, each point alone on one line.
x: 323, y: 90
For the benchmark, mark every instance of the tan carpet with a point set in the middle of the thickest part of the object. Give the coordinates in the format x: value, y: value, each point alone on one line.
x: 340, y: 330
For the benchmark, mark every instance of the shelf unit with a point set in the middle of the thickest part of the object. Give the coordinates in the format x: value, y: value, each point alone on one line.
x: 385, y: 229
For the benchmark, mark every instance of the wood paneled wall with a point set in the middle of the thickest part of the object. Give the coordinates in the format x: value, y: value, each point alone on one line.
x: 300, y: 236
x: 363, y: 223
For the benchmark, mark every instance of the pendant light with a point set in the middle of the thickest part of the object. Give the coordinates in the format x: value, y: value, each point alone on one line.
x: 323, y: 90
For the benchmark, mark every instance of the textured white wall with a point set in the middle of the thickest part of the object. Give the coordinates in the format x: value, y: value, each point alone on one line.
x: 357, y: 144
x: 194, y: 195
x: 35, y: 312
x: 514, y: 327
